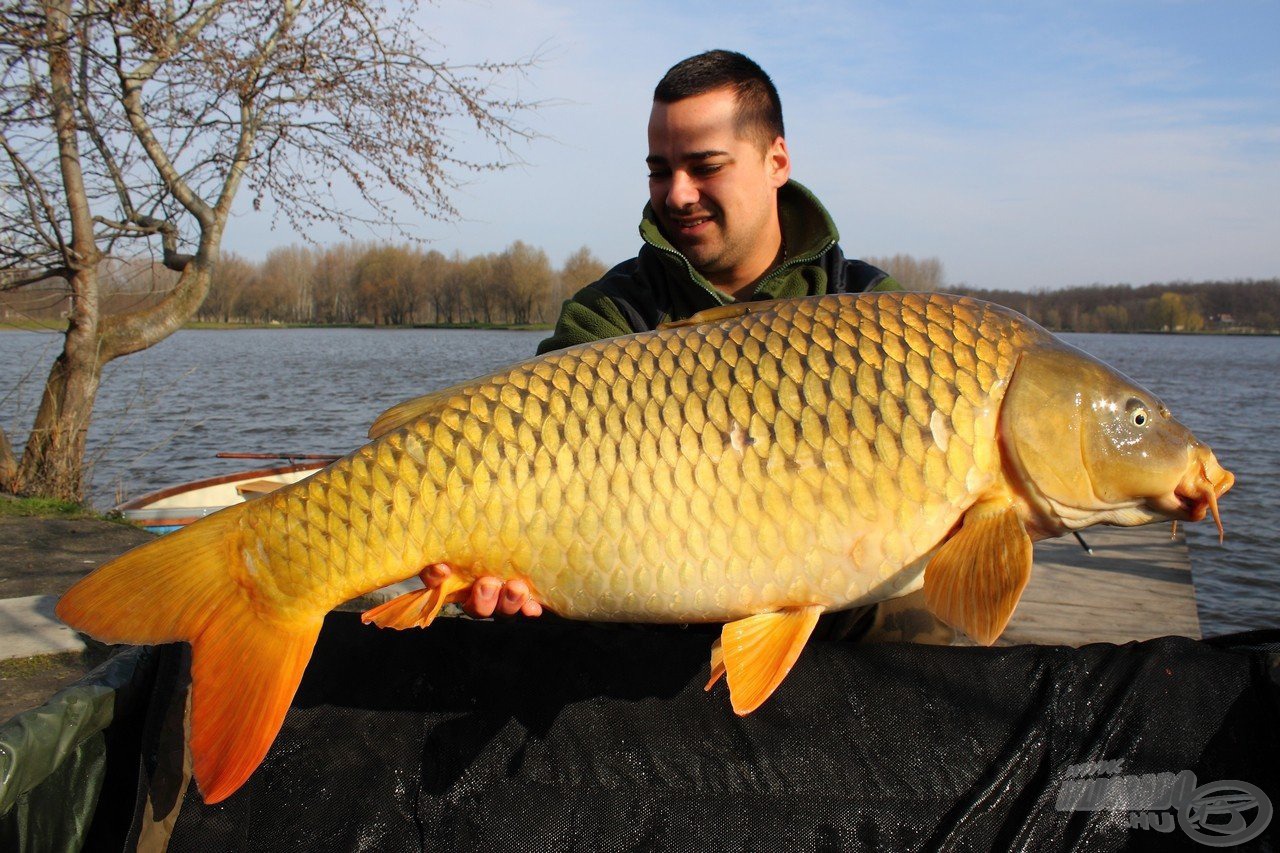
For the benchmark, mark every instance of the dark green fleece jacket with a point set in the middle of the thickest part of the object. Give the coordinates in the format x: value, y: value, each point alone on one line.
x: 660, y: 284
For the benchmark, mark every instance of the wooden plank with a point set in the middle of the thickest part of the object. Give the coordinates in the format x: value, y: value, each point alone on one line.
x: 259, y: 487
x: 1135, y: 586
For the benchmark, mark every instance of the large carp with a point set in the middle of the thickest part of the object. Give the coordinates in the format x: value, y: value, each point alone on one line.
x: 758, y: 465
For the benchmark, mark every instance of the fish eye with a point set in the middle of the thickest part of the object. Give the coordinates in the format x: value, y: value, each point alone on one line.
x: 1139, y: 417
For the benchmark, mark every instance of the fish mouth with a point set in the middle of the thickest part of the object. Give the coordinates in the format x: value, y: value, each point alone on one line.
x: 1198, y: 491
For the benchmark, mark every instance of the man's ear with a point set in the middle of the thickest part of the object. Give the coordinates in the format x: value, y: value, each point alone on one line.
x: 778, y: 161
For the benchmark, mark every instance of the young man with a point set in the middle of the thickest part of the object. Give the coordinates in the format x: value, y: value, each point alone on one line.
x: 724, y: 223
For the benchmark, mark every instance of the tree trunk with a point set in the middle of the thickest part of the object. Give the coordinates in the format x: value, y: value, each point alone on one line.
x: 8, y: 464
x: 53, y: 461
x: 52, y: 464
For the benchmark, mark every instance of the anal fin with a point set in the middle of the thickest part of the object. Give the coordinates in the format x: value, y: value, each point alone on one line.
x: 975, y: 579
x: 757, y: 652
x: 419, y: 608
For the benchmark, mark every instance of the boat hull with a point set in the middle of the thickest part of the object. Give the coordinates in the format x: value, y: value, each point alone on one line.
x: 174, y: 507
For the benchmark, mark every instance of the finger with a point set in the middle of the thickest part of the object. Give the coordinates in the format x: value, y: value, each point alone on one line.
x: 531, y: 608
x: 514, y: 594
x: 436, y: 575
x: 484, y: 597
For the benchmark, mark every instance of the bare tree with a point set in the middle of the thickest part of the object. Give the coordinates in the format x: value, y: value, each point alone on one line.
x: 388, y: 285
x: 129, y: 126
x: 230, y: 280
x: 579, y: 269
x: 333, y: 287
x: 523, y: 276
x: 453, y: 300
x: 285, y: 278
x: 476, y: 285
x: 911, y: 272
x: 433, y: 271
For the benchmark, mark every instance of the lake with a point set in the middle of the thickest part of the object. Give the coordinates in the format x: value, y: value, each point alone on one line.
x: 163, y: 414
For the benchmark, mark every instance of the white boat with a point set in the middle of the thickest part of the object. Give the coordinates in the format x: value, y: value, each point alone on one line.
x: 172, y: 507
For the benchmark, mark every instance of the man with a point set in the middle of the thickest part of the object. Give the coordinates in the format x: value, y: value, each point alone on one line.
x: 724, y: 223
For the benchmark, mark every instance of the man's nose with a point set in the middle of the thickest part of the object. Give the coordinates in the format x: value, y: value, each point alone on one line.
x: 683, y: 191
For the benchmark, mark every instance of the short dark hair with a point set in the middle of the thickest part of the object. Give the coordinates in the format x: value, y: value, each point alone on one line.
x: 759, y: 107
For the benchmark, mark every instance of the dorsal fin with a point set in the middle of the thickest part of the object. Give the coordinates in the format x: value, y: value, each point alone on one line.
x: 720, y: 312
x: 402, y: 413
x: 410, y: 410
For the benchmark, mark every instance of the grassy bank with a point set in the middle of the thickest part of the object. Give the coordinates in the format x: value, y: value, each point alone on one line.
x: 12, y: 506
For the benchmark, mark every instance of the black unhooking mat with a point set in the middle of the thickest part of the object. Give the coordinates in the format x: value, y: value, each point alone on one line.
x: 552, y: 735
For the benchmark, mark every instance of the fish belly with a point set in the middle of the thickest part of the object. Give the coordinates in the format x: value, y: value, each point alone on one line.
x: 807, y: 454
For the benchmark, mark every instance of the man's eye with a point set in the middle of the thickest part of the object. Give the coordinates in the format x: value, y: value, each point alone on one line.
x: 656, y: 175
x: 709, y: 168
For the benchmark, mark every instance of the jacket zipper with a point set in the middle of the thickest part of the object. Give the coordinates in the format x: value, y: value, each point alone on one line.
x: 793, y: 263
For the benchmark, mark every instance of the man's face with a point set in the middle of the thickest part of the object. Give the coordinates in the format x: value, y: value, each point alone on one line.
x: 713, y: 190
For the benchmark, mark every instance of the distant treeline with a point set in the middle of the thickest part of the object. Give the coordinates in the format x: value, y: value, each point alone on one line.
x: 1237, y: 306
x: 395, y: 285
x: 381, y: 284
x: 351, y: 283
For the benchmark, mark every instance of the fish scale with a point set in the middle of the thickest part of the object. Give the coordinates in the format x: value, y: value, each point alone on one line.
x: 661, y: 478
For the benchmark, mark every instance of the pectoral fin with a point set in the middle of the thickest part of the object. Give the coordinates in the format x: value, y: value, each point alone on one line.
x: 757, y: 653
x: 419, y: 608
x: 975, y: 580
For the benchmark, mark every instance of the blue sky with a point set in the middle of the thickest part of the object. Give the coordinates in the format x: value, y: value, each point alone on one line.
x: 1026, y: 145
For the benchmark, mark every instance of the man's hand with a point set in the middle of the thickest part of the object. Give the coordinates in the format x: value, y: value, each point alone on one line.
x: 490, y: 595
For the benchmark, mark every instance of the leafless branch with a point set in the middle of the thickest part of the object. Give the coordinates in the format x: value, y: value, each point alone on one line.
x: 90, y: 125
x: 39, y: 205
x: 15, y: 280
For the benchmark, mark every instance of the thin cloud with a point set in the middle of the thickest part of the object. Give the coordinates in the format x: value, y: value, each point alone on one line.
x: 1023, y: 144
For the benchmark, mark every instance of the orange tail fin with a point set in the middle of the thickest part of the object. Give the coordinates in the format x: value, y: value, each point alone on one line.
x: 245, y: 666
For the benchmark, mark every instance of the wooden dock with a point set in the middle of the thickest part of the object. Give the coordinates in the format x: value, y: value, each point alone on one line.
x: 1136, y: 585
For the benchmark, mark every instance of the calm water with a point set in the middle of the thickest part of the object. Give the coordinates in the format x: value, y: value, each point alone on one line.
x: 165, y: 412
x: 1227, y: 391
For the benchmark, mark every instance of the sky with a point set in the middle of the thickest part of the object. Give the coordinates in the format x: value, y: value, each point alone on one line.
x: 1026, y: 145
